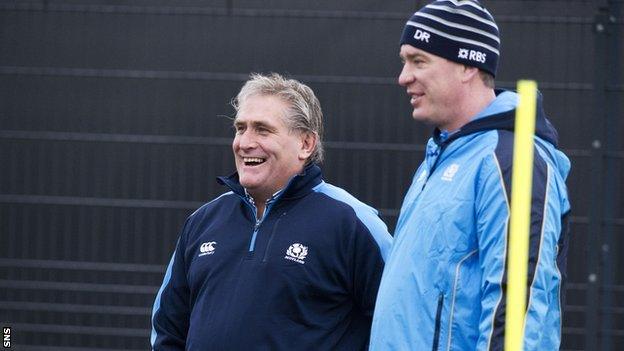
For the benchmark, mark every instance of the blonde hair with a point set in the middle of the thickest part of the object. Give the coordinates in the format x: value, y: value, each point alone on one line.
x: 304, y: 113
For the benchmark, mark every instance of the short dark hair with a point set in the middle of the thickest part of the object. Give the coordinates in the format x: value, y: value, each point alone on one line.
x: 487, y: 78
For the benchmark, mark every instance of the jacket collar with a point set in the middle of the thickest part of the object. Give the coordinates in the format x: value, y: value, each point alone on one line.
x: 502, y: 121
x: 298, y: 186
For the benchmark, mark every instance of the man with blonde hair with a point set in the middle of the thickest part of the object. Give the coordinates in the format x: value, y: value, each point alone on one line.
x: 283, y: 260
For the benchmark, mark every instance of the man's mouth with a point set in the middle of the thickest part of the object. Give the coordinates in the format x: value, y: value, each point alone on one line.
x: 253, y: 161
x: 414, y: 97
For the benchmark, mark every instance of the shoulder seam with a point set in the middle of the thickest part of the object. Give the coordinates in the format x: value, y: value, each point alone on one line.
x: 209, y: 202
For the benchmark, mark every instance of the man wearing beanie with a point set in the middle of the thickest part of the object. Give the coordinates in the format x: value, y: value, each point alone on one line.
x: 444, y: 283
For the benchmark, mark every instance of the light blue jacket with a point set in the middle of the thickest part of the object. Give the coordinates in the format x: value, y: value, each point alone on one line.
x: 444, y: 284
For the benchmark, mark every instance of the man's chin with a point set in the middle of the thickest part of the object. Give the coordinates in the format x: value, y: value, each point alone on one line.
x: 421, y: 117
x: 248, y: 181
x: 248, y: 184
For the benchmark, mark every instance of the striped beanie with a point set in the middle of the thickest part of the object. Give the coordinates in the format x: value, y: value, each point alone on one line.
x: 458, y: 30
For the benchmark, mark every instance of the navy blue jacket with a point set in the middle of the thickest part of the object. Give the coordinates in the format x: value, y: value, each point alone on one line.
x: 305, y: 276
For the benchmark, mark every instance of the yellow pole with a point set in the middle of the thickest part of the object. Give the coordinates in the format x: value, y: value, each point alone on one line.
x: 520, y: 215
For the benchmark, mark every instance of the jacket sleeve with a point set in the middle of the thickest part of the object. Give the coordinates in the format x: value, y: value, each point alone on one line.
x: 371, y: 245
x: 543, y: 321
x: 171, y: 313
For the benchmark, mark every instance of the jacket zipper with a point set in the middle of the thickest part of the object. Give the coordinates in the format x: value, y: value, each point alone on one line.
x: 252, y: 242
x: 269, y: 203
x: 436, y: 332
x: 249, y: 201
x: 434, y: 166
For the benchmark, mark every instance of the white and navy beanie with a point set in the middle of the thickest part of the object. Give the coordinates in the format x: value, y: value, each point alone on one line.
x: 462, y: 31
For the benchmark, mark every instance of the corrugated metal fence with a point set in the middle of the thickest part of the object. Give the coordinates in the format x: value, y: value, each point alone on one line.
x: 114, y: 123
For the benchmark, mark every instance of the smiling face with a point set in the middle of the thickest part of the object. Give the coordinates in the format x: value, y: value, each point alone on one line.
x: 266, y: 151
x: 434, y: 86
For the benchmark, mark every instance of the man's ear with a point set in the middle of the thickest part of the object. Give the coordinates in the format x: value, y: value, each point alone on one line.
x: 308, y: 144
x: 469, y: 73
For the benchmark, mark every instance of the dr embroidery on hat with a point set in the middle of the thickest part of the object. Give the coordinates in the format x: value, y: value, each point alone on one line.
x: 462, y: 31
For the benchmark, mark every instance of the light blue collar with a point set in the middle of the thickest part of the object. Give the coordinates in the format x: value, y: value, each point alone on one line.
x: 505, y: 101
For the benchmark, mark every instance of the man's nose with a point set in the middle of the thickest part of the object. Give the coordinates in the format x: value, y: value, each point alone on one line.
x: 246, y: 140
x: 405, y: 77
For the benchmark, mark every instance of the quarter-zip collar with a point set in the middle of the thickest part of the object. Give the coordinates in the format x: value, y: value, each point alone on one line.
x: 500, y: 114
x: 298, y: 186
x: 503, y: 120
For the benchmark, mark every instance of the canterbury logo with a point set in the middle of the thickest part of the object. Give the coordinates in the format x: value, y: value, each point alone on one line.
x: 207, y: 248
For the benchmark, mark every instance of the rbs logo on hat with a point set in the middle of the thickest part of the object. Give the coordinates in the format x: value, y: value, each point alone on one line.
x: 471, y: 55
